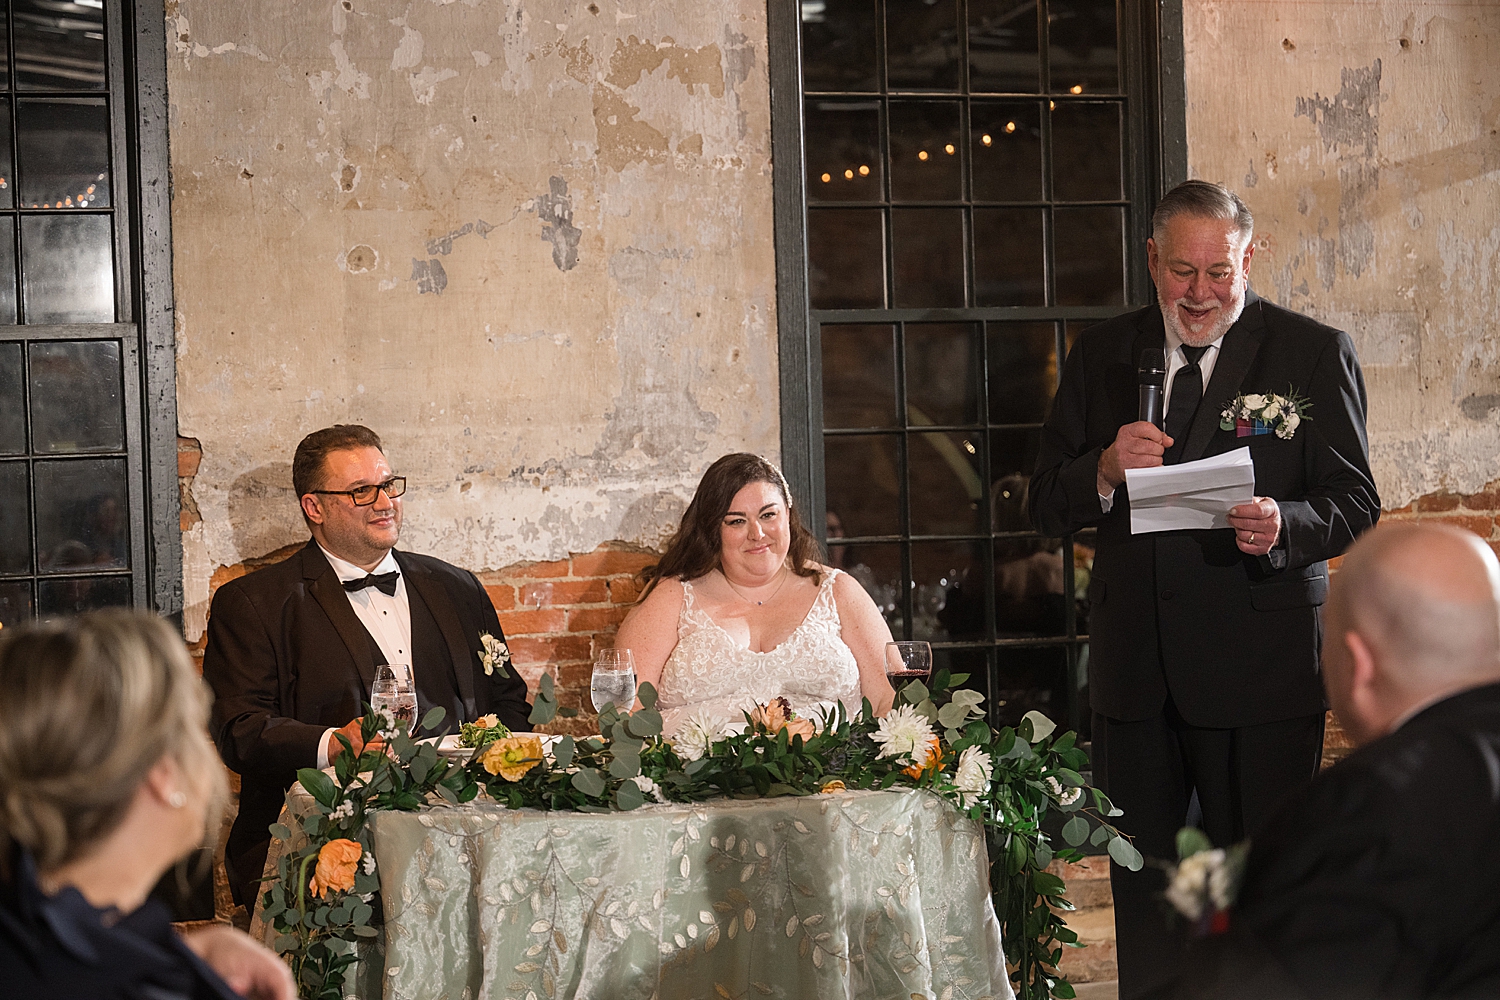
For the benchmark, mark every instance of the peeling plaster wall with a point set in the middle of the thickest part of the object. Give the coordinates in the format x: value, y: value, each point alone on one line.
x: 528, y: 241
x: 1365, y: 136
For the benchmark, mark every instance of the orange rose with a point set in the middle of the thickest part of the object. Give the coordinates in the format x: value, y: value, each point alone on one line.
x: 486, y: 722
x: 336, y: 864
x: 512, y: 756
x: 834, y: 785
x: 777, y: 715
x: 934, y: 760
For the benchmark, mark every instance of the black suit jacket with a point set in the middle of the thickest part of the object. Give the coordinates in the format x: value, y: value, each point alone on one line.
x: 1234, y: 638
x: 1381, y: 879
x: 287, y: 658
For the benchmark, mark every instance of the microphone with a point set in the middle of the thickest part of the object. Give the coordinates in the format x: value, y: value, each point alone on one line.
x: 1153, y: 380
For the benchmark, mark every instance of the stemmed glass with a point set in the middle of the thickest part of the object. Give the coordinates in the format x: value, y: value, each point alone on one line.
x: 394, y: 696
x: 614, y: 680
x: 907, y: 661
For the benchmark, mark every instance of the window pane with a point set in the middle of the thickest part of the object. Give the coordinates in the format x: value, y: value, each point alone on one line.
x: 69, y: 597
x: 1074, y: 328
x: 838, y: 45
x: 942, y: 374
x: 946, y: 485
x: 59, y: 45
x: 1086, y: 164
x: 1090, y: 249
x: 925, y: 160
x: 67, y: 269
x: 15, y: 519
x: 1029, y: 585
x: 81, y: 515
x: 1029, y: 679
x: 1023, y: 371
x: 1012, y: 453
x: 12, y: 401
x: 15, y: 603
x: 1009, y: 256
x: 946, y: 575
x: 846, y: 258
x: 928, y: 251
x: 4, y: 56
x: 921, y: 41
x: 76, y: 397
x: 1006, y: 139
x: 1083, y: 49
x: 843, y: 151
x: 1084, y: 544
x: 1003, y: 47
x: 7, y: 174
x: 863, y: 482
x: 8, y: 269
x: 859, y: 376
x: 63, y: 150
x: 877, y: 567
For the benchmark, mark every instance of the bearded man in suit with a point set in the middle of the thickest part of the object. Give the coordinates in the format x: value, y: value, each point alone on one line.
x: 292, y: 648
x: 1380, y: 878
x: 1203, y: 667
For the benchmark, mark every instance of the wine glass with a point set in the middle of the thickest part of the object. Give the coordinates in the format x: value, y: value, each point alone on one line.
x: 614, y: 680
x: 394, y: 696
x: 907, y: 661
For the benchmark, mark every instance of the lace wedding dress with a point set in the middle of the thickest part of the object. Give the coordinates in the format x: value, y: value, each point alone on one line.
x: 709, y: 672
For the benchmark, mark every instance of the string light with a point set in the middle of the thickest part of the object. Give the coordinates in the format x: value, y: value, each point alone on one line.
x: 826, y: 178
x: 922, y: 155
x: 986, y: 139
x: 1010, y: 127
x: 948, y: 149
x: 848, y: 175
x: 864, y: 171
x: 1077, y: 88
x: 1052, y: 105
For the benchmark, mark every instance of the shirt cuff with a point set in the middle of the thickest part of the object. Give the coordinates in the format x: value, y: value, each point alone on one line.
x: 1107, y: 503
x: 323, y: 747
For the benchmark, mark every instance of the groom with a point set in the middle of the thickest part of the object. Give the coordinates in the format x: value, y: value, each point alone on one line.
x: 292, y: 648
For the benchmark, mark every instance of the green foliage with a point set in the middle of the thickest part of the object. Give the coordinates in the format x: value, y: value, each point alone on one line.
x: 629, y: 763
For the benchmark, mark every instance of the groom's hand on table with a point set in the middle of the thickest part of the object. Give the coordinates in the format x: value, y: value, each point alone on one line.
x: 355, y: 734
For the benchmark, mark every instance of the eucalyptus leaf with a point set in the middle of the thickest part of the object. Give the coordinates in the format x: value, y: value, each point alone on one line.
x: 927, y: 710
x: 625, y: 765
x: 1076, y: 830
x: 563, y: 752
x: 629, y: 796
x: 434, y: 717
x: 280, y: 832
x: 544, y: 707
x: 1041, y: 726
x: 589, y: 781
x: 1043, y: 854
x: 1125, y: 854
x: 952, y: 715
x: 644, y: 724
x: 647, y: 695
x: 915, y: 692
x: 1099, y: 836
x: 366, y: 932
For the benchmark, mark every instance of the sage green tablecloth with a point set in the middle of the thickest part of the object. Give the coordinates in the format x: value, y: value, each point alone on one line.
x: 855, y: 894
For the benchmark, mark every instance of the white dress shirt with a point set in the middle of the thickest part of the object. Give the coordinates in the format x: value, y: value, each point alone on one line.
x: 1176, y: 361
x: 386, y: 617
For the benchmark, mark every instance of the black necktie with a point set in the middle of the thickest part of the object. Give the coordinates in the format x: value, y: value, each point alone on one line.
x: 385, y: 582
x: 1187, y: 390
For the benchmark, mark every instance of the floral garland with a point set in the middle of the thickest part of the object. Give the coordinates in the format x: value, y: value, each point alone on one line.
x: 321, y: 901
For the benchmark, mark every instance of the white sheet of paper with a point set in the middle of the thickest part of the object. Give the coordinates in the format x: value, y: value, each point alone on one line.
x: 1191, y: 495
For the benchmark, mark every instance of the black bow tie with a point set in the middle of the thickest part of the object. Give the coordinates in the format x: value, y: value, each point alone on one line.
x: 385, y: 581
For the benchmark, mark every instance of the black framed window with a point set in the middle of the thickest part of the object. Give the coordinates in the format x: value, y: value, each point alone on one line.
x: 977, y: 176
x: 74, y: 488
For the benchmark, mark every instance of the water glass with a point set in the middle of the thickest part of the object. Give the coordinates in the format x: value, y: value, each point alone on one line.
x: 907, y: 661
x: 394, y: 696
x: 614, y: 680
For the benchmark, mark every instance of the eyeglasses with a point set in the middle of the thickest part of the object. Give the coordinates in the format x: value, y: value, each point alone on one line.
x: 363, y: 496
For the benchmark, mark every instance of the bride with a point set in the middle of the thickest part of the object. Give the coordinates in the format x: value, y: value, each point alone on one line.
x: 739, y: 611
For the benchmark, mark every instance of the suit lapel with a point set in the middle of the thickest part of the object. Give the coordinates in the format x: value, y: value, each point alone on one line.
x: 1236, y: 354
x: 441, y: 606
x: 324, y: 585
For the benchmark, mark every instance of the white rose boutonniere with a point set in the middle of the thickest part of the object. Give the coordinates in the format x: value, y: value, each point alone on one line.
x: 1204, y: 884
x: 494, y: 654
x: 1252, y: 414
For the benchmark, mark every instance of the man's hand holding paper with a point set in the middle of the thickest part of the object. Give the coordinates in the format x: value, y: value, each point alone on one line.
x: 1194, y: 495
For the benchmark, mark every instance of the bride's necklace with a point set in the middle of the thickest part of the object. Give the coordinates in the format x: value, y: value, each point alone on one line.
x: 784, y: 574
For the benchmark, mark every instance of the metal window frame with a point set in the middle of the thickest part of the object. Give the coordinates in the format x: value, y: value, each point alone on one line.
x: 1154, y: 153
x: 135, y: 54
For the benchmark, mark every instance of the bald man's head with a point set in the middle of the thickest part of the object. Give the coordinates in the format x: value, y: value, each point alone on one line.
x: 1414, y: 615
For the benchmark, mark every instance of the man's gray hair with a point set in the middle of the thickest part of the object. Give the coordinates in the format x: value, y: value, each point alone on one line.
x: 1202, y: 200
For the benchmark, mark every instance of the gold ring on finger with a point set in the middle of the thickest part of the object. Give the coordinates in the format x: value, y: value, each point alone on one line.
x: 1252, y: 538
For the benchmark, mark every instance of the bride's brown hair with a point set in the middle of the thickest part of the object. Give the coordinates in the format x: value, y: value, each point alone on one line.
x: 695, y: 549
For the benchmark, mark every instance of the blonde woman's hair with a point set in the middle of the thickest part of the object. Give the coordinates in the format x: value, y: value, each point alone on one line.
x: 88, y: 705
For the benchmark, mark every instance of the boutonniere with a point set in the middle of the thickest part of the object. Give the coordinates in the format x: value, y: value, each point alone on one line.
x: 493, y: 653
x: 1205, y: 882
x: 1251, y: 414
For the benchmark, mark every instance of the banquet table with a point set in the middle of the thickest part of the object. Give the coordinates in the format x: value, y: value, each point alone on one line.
x: 870, y: 894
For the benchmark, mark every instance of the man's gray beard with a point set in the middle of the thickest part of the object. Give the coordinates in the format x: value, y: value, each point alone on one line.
x: 1227, y: 318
